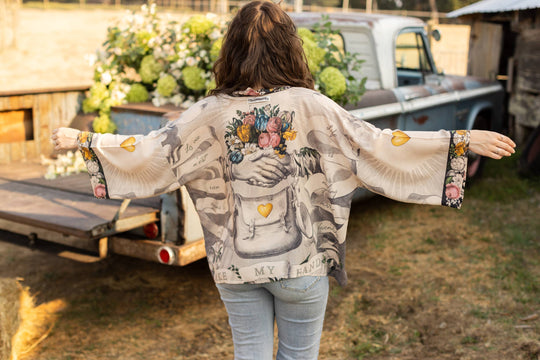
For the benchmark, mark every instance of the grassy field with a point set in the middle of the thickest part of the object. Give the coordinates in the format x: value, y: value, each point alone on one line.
x: 424, y: 283
x: 442, y: 284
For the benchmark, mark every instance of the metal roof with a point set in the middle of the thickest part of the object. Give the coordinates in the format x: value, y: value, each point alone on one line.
x: 494, y: 6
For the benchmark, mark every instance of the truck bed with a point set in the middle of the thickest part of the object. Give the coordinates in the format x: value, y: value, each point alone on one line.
x: 66, y: 204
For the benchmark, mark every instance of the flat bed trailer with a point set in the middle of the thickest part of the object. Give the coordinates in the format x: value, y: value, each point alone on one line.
x: 64, y: 211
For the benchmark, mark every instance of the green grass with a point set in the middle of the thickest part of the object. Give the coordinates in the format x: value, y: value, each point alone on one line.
x: 500, y: 182
x: 496, y: 248
x: 510, y: 207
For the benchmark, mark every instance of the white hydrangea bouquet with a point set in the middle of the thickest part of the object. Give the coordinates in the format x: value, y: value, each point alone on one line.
x: 147, y: 58
x: 65, y: 164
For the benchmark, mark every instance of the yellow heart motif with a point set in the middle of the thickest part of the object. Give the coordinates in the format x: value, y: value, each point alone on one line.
x: 399, y: 138
x: 128, y: 144
x: 265, y: 210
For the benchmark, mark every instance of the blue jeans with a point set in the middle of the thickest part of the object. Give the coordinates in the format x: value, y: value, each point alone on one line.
x: 298, y: 306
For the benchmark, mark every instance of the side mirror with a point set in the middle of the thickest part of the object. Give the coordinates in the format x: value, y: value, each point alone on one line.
x: 436, y: 34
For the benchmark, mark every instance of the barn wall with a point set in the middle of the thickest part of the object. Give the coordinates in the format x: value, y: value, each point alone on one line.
x: 27, y: 119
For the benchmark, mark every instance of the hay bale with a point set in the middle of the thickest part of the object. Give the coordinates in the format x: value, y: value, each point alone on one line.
x: 10, y: 295
x: 23, y: 325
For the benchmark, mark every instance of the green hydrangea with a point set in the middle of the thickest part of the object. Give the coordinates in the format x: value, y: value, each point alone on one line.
x: 103, y: 124
x: 333, y: 81
x: 215, y: 49
x: 91, y: 104
x: 105, y: 106
x: 143, y: 37
x: 305, y: 34
x: 199, y: 25
x: 193, y: 78
x: 98, y: 93
x: 314, y: 55
x: 166, y: 85
x: 137, y: 93
x: 150, y: 69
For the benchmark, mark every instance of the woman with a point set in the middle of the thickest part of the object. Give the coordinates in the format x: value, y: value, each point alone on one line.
x: 271, y: 166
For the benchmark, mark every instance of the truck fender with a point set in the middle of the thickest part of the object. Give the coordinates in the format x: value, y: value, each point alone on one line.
x: 483, y: 106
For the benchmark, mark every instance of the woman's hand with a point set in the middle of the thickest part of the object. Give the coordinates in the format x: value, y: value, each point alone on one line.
x: 65, y: 138
x: 490, y: 144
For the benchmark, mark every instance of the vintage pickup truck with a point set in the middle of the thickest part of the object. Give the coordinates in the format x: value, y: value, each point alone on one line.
x: 404, y: 90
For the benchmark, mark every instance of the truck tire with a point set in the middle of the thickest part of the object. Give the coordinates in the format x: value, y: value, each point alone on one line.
x: 529, y: 162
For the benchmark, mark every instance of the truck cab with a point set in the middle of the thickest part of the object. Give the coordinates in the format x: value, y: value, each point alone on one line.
x: 404, y: 89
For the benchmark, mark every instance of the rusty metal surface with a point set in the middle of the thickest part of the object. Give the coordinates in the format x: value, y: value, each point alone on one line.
x: 440, y: 85
x: 374, y: 98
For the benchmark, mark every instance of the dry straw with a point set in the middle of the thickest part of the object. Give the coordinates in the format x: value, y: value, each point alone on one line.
x: 23, y: 325
x: 10, y: 294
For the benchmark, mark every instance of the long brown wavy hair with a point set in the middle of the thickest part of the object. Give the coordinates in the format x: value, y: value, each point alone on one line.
x: 261, y: 48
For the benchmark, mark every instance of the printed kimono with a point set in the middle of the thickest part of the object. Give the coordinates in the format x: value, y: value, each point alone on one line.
x: 272, y: 176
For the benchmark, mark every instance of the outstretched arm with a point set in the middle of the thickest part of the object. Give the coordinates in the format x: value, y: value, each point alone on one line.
x: 122, y: 166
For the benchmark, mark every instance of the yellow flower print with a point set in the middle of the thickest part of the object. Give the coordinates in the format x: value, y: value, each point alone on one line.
x: 461, y: 132
x: 87, y: 154
x: 289, y: 135
x: 460, y: 148
x: 243, y: 132
x: 83, y: 136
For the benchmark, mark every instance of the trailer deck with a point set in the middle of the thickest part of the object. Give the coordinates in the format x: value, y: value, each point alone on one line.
x: 64, y: 211
x: 66, y: 204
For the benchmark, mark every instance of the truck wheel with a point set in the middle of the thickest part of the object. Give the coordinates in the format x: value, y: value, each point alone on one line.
x: 475, y: 164
x: 529, y: 162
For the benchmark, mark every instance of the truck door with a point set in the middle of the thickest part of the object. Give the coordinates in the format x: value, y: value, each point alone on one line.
x: 427, y: 104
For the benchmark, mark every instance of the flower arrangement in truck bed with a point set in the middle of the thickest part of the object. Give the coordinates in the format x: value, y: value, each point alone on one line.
x: 148, y: 58
x: 331, y: 66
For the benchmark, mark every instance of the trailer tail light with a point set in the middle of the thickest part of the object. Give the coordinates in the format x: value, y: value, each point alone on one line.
x: 151, y: 230
x: 166, y: 255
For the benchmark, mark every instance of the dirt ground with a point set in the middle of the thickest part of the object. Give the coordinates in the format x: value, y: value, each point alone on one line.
x: 424, y: 282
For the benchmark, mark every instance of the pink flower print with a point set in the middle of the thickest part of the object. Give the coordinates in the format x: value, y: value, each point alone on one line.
x: 100, y: 191
x: 452, y: 191
x: 251, y: 92
x: 274, y: 125
x: 264, y: 140
x: 275, y: 139
x: 249, y: 120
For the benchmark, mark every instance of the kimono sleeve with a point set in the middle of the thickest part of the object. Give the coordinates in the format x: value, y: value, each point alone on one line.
x: 127, y: 166
x: 426, y: 167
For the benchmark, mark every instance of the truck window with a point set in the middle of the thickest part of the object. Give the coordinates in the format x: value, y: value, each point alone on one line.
x: 411, y: 59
